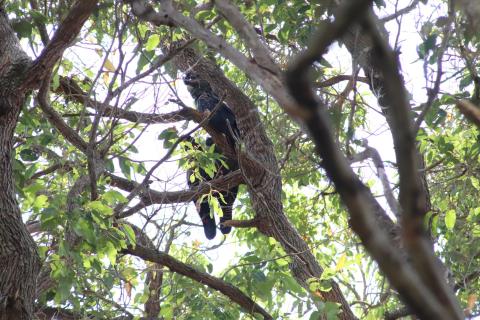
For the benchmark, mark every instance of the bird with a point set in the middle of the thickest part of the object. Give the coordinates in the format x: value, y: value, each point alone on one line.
x: 223, y: 120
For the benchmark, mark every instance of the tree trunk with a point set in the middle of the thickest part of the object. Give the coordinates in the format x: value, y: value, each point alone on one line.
x: 19, y: 261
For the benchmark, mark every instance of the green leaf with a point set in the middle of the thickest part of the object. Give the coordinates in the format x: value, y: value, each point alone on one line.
x: 63, y: 289
x: 283, y: 35
x: 465, y: 82
x: 292, y: 285
x: 475, y: 183
x: 315, y: 315
x: 264, y: 288
x: 144, y: 59
x: 100, y: 207
x: 55, y: 81
x: 125, y: 166
x: 325, y: 63
x: 168, y: 136
x: 129, y: 233
x: 23, y: 28
x: 332, y: 310
x: 109, y: 165
x: 28, y: 155
x: 258, y: 276
x: 40, y: 202
x: 113, y: 197
x: 215, y: 204
x: 86, y: 230
x: 152, y: 42
x: 111, y: 252
x: 430, y: 42
x: 38, y: 17
x: 313, y: 284
x: 450, y: 218
x: 282, y: 262
x: 167, y: 312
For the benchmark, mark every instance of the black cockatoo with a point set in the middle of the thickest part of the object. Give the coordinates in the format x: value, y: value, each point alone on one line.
x: 206, y: 100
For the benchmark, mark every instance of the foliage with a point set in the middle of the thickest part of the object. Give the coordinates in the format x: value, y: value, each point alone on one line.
x: 93, y: 276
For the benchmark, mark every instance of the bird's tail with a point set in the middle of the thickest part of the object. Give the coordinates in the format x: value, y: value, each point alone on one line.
x: 227, y: 215
x: 209, y: 226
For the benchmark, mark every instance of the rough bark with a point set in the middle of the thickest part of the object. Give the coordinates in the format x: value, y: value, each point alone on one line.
x: 19, y: 261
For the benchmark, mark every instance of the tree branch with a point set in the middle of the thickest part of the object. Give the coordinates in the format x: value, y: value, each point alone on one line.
x: 62, y: 39
x: 161, y: 258
x: 145, y: 11
x: 355, y: 195
x: 339, y: 78
x: 412, y: 198
x: 149, y: 196
x: 470, y: 111
x: 400, y: 12
x: 56, y: 120
x: 42, y: 30
x: 259, y: 50
x: 373, y: 154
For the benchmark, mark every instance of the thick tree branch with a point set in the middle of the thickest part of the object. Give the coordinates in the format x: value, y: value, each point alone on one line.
x: 360, y: 45
x: 397, y: 314
x: 412, y: 198
x: 354, y: 194
x: 142, y: 251
x: 259, y: 50
x: 252, y: 223
x: 56, y: 120
x: 146, y: 12
x: 149, y: 196
x: 470, y: 111
x: 19, y: 262
x: 62, y: 39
